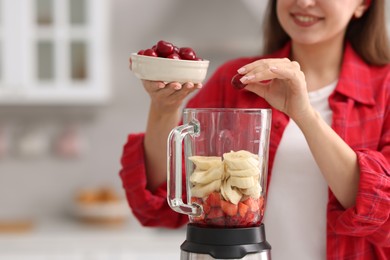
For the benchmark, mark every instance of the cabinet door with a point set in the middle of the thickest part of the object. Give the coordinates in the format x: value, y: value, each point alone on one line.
x: 55, y: 52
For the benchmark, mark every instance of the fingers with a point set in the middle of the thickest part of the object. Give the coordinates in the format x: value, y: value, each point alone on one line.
x: 163, y: 90
x: 268, y: 69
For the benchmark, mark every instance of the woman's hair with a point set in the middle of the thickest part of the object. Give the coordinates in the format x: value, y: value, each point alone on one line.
x: 367, y: 34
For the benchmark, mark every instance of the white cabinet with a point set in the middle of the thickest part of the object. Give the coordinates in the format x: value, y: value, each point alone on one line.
x: 53, y: 52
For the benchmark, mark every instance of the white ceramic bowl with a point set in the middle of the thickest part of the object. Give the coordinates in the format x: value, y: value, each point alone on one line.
x: 168, y: 70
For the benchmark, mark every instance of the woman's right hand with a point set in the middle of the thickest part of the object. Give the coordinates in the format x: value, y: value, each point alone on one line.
x: 168, y: 97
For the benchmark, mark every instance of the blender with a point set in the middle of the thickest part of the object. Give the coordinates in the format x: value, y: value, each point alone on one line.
x: 225, y: 160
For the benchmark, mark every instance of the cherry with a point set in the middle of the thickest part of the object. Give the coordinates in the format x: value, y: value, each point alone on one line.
x: 237, y: 83
x: 164, y: 49
x: 187, y: 53
x: 150, y: 52
x: 174, y: 56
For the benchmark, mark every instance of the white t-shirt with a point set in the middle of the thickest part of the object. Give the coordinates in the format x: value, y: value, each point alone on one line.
x: 295, y: 217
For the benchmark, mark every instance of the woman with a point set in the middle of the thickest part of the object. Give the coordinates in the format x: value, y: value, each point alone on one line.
x: 327, y: 79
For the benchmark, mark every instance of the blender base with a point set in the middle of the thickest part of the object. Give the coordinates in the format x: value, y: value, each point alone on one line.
x: 264, y: 255
x: 204, y: 243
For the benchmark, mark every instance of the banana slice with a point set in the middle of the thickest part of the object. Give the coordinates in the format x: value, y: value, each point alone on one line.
x: 242, y: 182
x: 254, y: 191
x: 230, y: 194
x: 241, y: 160
x: 249, y: 172
x: 201, y: 191
x: 205, y: 162
x: 204, y: 177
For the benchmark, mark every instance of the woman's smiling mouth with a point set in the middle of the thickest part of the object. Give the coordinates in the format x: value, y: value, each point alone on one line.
x: 304, y: 19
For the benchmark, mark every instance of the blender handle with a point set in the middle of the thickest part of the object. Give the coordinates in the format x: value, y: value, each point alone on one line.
x: 174, y: 169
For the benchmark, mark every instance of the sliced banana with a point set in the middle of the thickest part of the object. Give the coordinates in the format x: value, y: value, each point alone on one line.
x: 229, y: 193
x: 254, y: 191
x: 242, y: 182
x: 236, y: 176
x: 204, y: 177
x: 253, y: 171
x: 201, y: 191
x: 205, y: 162
x: 241, y: 160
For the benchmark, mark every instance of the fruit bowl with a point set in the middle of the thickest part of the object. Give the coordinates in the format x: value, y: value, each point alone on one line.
x: 168, y: 70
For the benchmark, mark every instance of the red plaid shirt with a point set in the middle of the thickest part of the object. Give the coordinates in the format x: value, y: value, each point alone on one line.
x: 361, y: 116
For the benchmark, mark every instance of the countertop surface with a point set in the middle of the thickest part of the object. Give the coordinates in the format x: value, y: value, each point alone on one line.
x: 68, y: 239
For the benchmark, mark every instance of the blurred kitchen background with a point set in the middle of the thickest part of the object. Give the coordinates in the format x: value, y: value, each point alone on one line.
x: 67, y: 104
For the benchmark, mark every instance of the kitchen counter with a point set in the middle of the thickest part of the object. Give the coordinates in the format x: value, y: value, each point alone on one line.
x: 67, y: 239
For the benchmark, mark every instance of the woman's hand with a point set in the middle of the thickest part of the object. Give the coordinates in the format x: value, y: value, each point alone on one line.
x: 281, y: 83
x: 168, y: 97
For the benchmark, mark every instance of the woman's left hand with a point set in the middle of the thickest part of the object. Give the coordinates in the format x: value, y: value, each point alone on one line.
x: 281, y: 83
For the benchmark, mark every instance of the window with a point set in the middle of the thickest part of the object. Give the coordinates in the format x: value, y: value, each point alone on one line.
x: 53, y: 51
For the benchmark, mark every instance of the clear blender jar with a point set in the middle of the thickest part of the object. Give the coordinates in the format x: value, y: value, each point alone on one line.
x: 226, y: 158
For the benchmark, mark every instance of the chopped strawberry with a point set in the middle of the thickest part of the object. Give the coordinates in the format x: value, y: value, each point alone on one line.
x: 242, y: 209
x: 233, y: 221
x: 230, y: 209
x: 250, y: 218
x: 214, y: 199
x: 261, y: 202
x: 215, y: 213
x: 252, y: 203
x: 206, y: 208
x: 197, y: 200
x: 219, y: 222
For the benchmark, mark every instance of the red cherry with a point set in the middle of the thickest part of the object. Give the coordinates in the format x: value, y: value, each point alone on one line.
x: 237, y: 83
x: 150, y: 52
x: 176, y: 49
x: 141, y: 52
x: 174, y: 56
x: 187, y: 53
x: 164, y: 49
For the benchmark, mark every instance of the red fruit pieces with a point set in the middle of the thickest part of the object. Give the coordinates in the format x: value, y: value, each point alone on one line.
x: 215, y: 213
x: 174, y: 56
x: 242, y: 209
x: 237, y: 83
x: 252, y: 204
x: 187, y: 53
x: 150, y: 52
x: 214, y: 199
x: 228, y: 208
x: 164, y: 49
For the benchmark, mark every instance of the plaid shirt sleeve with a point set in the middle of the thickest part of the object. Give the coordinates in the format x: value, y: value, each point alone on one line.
x: 365, y: 126
x: 151, y: 209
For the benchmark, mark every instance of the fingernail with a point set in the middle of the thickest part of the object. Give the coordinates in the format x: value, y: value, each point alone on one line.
x: 273, y: 68
x: 241, y: 70
x: 246, y: 78
x: 177, y: 87
x: 199, y: 85
x: 190, y: 85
